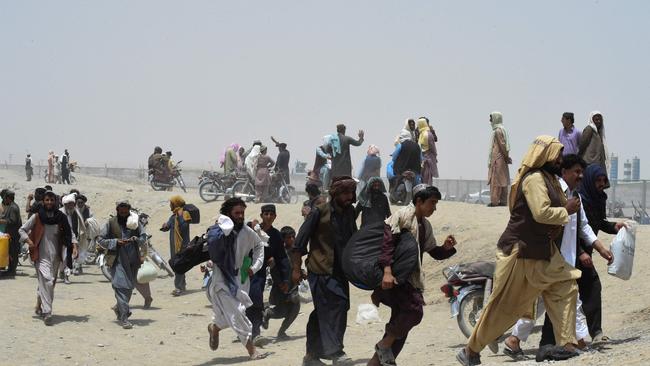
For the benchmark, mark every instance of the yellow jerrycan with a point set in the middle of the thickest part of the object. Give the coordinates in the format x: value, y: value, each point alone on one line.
x: 4, y: 250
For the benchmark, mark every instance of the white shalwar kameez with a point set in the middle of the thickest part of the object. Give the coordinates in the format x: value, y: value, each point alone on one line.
x: 572, y: 230
x: 229, y: 311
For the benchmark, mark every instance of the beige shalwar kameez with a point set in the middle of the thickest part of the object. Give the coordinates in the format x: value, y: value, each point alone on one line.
x: 518, y: 282
x: 498, y: 170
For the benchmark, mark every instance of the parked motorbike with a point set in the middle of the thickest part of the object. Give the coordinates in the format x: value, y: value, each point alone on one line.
x: 152, y: 253
x: 401, y: 192
x: 161, y: 183
x: 207, y: 175
x: 468, y: 288
x: 214, y: 185
x: 279, y: 191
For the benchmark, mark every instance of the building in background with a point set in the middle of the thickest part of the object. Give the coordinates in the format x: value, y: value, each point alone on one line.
x: 613, y: 170
x: 627, y: 171
x: 636, y: 169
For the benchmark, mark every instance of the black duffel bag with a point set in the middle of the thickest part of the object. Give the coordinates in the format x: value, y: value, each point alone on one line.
x: 194, y: 212
x: 190, y: 256
x: 360, y: 259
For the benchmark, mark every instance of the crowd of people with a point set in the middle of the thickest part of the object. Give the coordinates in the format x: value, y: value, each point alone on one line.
x: 544, y: 261
x: 58, y: 168
x: 258, y: 166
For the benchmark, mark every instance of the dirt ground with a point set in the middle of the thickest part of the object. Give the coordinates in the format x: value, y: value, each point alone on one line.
x: 174, y: 330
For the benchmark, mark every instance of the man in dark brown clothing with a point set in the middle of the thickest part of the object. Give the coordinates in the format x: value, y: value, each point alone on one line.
x: 326, y: 231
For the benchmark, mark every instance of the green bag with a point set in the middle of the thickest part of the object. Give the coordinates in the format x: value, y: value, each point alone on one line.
x: 243, y: 271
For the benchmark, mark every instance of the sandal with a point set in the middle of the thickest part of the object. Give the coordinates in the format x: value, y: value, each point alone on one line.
x: 600, y: 338
x: 259, y: 356
x: 214, y: 337
x: 467, y: 360
x: 385, y: 356
x: 517, y: 355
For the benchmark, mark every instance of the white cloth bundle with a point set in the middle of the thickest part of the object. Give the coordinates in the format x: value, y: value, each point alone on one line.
x: 132, y: 222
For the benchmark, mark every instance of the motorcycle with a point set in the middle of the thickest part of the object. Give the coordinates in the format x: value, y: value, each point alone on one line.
x: 468, y: 288
x: 243, y: 188
x: 401, y: 192
x: 279, y: 190
x: 152, y: 254
x: 206, y: 175
x: 213, y: 185
x: 58, y: 179
x: 161, y: 183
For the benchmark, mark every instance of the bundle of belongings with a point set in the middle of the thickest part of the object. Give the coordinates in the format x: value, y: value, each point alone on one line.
x: 360, y: 257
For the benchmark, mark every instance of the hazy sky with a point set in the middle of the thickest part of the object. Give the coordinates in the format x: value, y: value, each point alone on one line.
x: 109, y: 80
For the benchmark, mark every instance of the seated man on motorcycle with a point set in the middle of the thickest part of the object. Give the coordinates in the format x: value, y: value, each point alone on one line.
x: 159, y: 165
x: 405, y: 299
x: 406, y: 157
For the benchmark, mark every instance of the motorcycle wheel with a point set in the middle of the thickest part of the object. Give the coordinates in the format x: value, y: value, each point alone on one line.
x: 157, y: 187
x: 181, y: 183
x: 293, y: 195
x: 470, y: 311
x: 243, y: 190
x: 287, y: 194
x: 23, y: 257
x: 210, y: 191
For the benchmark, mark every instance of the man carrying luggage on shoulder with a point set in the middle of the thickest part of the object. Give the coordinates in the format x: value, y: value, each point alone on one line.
x: 405, y: 299
x: 327, y: 229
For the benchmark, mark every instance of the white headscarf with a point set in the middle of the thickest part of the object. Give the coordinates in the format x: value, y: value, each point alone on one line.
x: 412, y: 134
x: 71, y: 198
x: 403, y: 136
x: 497, y: 123
x: 251, y: 160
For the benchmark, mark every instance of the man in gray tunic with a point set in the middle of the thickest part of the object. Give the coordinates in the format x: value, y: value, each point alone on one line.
x: 124, y: 242
x: 47, y: 232
x: 341, y: 161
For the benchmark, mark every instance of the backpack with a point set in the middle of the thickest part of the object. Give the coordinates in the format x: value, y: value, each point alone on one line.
x: 194, y: 213
x: 360, y: 260
x: 190, y: 256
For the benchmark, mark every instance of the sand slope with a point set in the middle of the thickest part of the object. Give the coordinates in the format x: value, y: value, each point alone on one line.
x: 174, y: 330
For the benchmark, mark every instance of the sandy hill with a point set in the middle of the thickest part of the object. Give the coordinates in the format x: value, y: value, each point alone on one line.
x: 174, y: 330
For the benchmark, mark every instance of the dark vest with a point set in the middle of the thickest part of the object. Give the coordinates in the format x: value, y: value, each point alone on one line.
x: 534, y: 239
x: 321, y: 244
x: 115, y: 232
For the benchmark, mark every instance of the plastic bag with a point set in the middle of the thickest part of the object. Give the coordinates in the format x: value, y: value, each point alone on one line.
x: 367, y: 313
x: 304, y: 292
x: 623, y: 250
x: 147, y: 272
